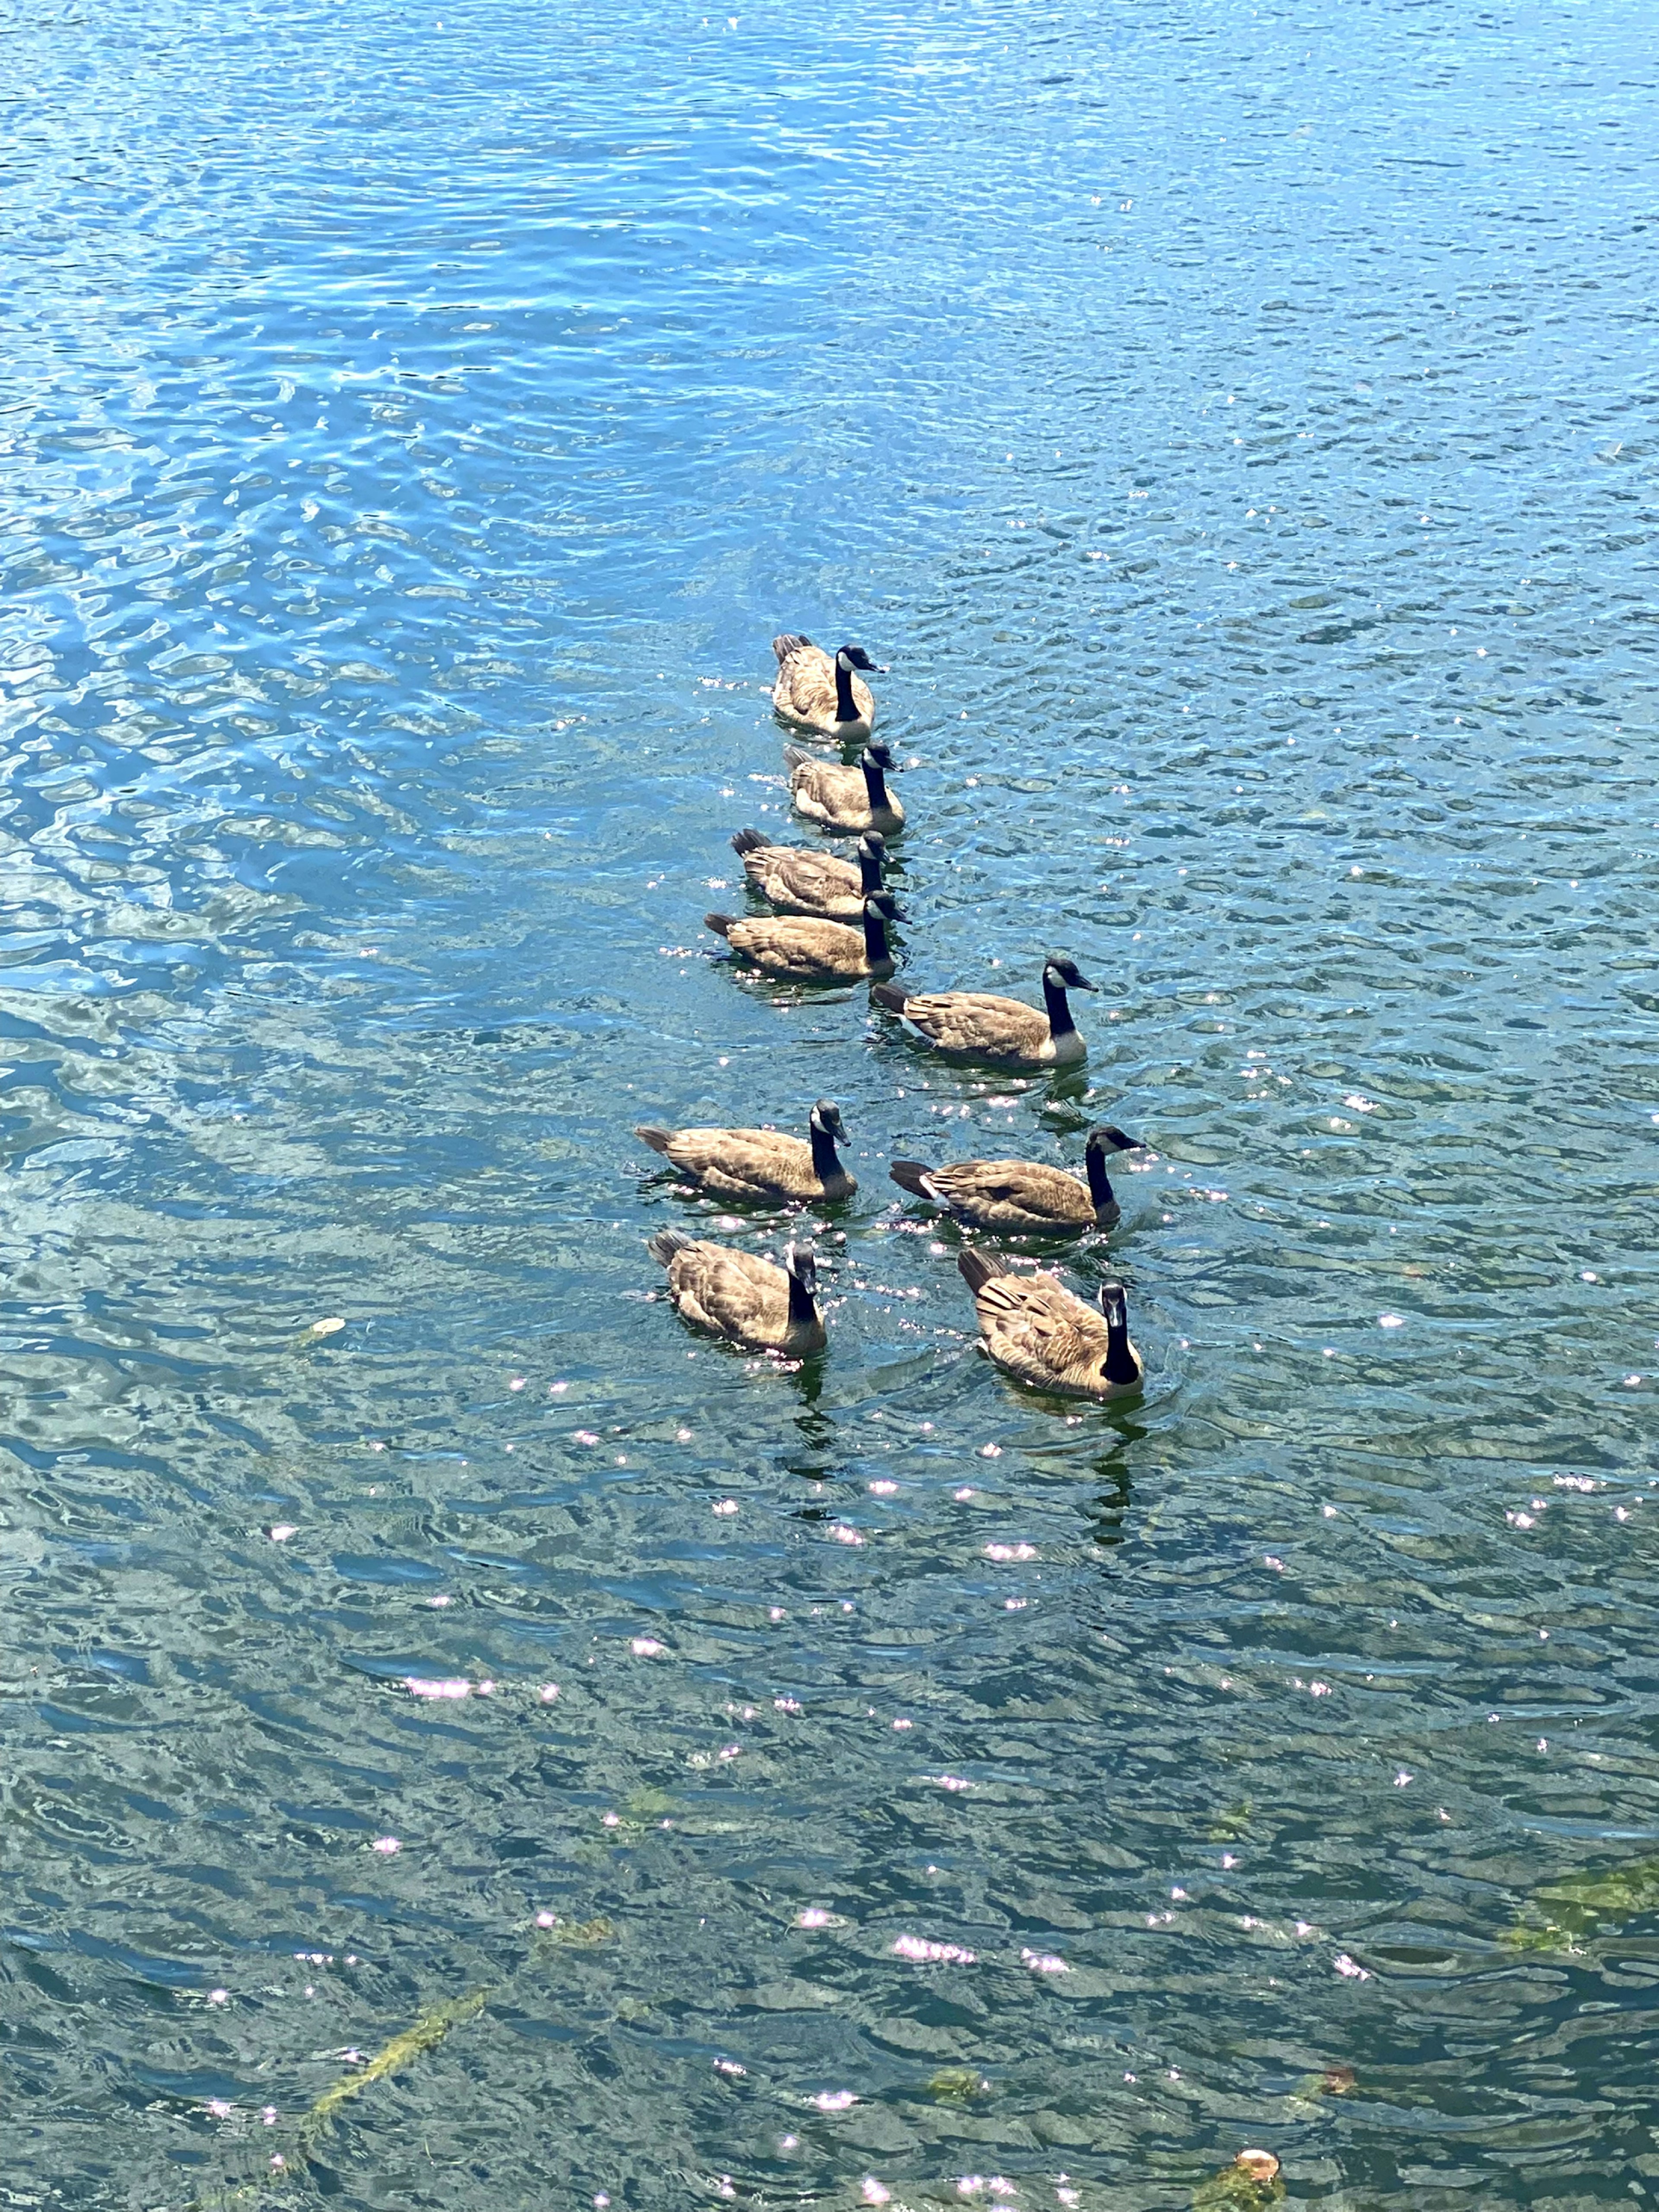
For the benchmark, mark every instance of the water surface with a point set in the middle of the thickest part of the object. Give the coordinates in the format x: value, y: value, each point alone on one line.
x: 1234, y: 426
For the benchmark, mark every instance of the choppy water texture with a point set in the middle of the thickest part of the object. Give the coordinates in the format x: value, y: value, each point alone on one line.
x: 1235, y: 425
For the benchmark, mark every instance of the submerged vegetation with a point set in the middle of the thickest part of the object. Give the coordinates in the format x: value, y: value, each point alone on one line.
x: 425, y: 2033
x: 1559, y: 1915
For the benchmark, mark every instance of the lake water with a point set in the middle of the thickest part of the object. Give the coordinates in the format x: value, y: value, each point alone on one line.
x: 1234, y: 426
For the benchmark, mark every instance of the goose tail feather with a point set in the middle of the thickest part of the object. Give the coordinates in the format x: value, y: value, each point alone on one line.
x: 666, y: 1243
x: 890, y: 995
x: 788, y: 641
x: 911, y: 1176
x: 721, y: 924
x: 749, y: 841
x: 979, y: 1267
x: 796, y: 757
x: 653, y: 1133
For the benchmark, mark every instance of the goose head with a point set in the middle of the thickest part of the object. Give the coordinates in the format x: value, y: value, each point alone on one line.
x: 801, y: 1265
x: 884, y: 904
x: 873, y: 845
x: 1114, y: 1305
x: 879, y: 754
x: 1103, y: 1137
x: 825, y: 1121
x: 854, y: 656
x: 1064, y: 973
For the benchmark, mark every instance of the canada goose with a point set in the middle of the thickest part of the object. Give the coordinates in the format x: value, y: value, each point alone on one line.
x: 1037, y: 1332
x: 980, y: 1027
x: 798, y: 880
x: 734, y: 1295
x: 845, y: 800
x: 798, y: 950
x: 1019, y: 1196
x: 761, y: 1164
x: 820, y: 692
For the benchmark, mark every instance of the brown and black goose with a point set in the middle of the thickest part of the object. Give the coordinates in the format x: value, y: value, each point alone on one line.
x: 975, y: 1025
x: 761, y: 1164
x: 746, y: 1300
x: 1034, y: 1330
x: 1020, y: 1197
x: 798, y: 950
x: 819, y: 690
x: 847, y: 800
x: 798, y: 880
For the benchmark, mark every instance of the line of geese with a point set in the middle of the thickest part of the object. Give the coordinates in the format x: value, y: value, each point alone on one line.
x: 830, y: 924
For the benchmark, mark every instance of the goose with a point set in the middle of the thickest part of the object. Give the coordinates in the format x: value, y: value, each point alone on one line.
x: 798, y: 950
x: 1019, y: 1197
x: 798, y: 880
x: 734, y: 1295
x: 819, y: 692
x: 761, y: 1164
x: 977, y: 1026
x: 1034, y: 1329
x: 848, y: 801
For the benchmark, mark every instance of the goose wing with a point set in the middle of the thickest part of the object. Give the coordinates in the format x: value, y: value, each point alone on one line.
x: 808, y: 883
x: 1039, y: 1333
x: 796, y: 944
x: 1012, y: 1194
x: 836, y: 790
x: 746, y: 1163
x: 977, y: 1022
x: 731, y: 1293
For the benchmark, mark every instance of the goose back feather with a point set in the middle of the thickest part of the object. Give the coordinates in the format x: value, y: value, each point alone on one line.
x: 1034, y: 1328
x: 847, y: 800
x: 746, y: 1300
x: 806, y: 692
x: 761, y: 1164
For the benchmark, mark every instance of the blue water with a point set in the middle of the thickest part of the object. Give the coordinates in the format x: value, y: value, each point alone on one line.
x: 1234, y: 426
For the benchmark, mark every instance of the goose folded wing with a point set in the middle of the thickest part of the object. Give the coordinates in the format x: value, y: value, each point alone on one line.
x: 740, y: 1160
x: 731, y: 1292
x: 975, y: 1021
x: 1013, y: 1187
x: 1036, y: 1329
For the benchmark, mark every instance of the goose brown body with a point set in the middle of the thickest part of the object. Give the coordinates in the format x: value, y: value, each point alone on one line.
x: 798, y: 880
x: 797, y: 949
x: 746, y: 1300
x: 805, y: 692
x: 847, y: 800
x: 1034, y: 1328
x: 1022, y: 1197
x: 977, y: 1025
x: 761, y: 1164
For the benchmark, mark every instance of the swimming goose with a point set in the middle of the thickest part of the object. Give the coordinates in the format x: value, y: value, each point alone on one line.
x: 845, y: 800
x: 761, y: 1164
x: 798, y: 950
x: 977, y: 1026
x: 798, y: 880
x: 1034, y: 1330
x: 746, y: 1300
x: 820, y: 693
x: 1018, y: 1196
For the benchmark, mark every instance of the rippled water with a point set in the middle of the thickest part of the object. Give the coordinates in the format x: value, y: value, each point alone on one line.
x: 1234, y: 426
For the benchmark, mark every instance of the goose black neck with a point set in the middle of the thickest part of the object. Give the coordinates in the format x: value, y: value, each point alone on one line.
x: 846, y: 707
x: 870, y: 873
x: 1100, y: 1184
x: 1060, y: 1012
x: 803, y: 1307
x: 1119, y: 1365
x: 825, y: 1162
x: 875, y: 934
x: 874, y: 783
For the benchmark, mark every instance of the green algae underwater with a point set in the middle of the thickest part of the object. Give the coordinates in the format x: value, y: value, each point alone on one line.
x: 288, y: 2166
